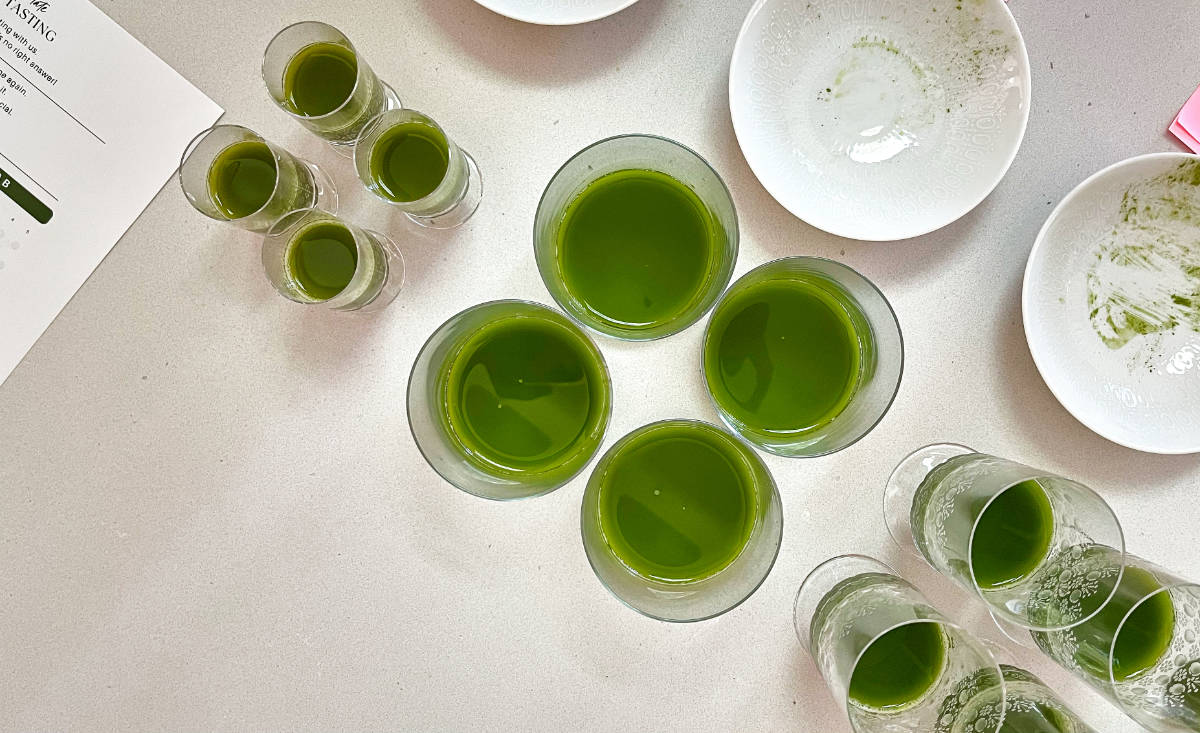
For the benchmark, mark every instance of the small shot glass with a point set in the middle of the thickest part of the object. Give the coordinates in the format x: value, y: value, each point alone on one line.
x: 406, y: 159
x: 1142, y: 649
x: 1019, y: 538
x: 231, y: 174
x: 314, y: 73
x: 315, y: 258
x: 803, y: 356
x: 892, y: 661
x: 681, y: 521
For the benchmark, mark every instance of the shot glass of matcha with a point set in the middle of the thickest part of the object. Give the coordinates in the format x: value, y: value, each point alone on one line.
x: 636, y: 236
x: 509, y: 400
x: 681, y: 521
x: 231, y: 174
x: 314, y: 73
x: 1141, y: 648
x: 1016, y: 536
x: 803, y: 356
x: 406, y: 159
x: 891, y: 660
x: 315, y: 258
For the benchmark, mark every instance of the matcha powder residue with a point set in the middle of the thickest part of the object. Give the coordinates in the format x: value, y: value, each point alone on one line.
x: 1145, y: 280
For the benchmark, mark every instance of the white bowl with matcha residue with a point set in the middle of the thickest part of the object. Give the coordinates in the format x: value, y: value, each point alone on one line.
x: 879, y: 119
x: 1112, y: 303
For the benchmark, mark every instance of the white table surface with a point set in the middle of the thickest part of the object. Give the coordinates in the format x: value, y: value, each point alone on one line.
x: 213, y: 517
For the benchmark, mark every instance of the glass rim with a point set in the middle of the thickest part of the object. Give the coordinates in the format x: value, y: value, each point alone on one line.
x: 759, y: 524
x: 1166, y: 588
x: 604, y: 370
x: 887, y: 408
x: 945, y: 624
x: 818, y: 568
x: 629, y: 335
x: 278, y: 227
x: 979, y: 592
x: 358, y: 76
x: 203, y: 134
x: 453, y: 152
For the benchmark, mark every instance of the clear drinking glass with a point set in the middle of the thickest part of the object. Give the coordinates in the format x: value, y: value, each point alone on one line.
x: 1016, y: 536
x: 889, y: 658
x: 615, y: 560
x: 1029, y: 706
x: 314, y: 257
x: 300, y: 69
x: 637, y: 153
x: 508, y: 400
x: 406, y: 159
x: 229, y: 161
x: 1142, y: 649
x: 754, y: 355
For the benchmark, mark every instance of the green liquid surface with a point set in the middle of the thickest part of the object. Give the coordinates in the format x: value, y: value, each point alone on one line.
x: 782, y: 356
x: 1012, y: 536
x: 678, y: 502
x: 322, y: 259
x: 1144, y: 638
x: 409, y: 161
x: 898, y: 668
x: 637, y: 247
x: 320, y: 78
x: 524, y: 393
x: 242, y: 178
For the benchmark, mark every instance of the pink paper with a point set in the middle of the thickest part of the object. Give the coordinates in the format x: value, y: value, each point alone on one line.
x: 1185, y: 137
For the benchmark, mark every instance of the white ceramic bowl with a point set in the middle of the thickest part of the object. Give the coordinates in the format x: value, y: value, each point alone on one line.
x: 1101, y: 294
x: 879, y: 119
x: 556, y: 12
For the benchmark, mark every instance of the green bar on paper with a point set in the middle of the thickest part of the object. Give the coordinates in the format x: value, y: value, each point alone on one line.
x: 23, y: 198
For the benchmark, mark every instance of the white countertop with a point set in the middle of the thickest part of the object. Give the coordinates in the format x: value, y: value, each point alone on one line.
x: 212, y: 514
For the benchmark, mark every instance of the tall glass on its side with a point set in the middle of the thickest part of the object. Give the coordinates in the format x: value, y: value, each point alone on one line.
x: 315, y: 74
x: 1018, y: 537
x: 803, y: 356
x: 892, y: 660
x: 232, y: 174
x: 1029, y: 706
x: 681, y: 521
x: 509, y: 399
x: 1142, y: 648
x: 636, y: 236
x: 406, y: 159
x: 315, y: 258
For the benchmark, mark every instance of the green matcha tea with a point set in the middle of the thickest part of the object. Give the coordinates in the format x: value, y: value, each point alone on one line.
x: 782, y: 356
x: 409, y: 161
x: 322, y: 259
x: 678, y: 502
x: 898, y: 668
x: 525, y: 394
x: 638, y: 249
x: 1012, y: 536
x: 320, y: 78
x: 242, y: 178
x: 1143, y: 640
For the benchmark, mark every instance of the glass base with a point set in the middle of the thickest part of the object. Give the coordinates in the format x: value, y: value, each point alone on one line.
x: 464, y: 209
x: 902, y: 486
x: 326, y: 198
x: 823, y: 579
x: 391, y: 102
x: 395, y: 277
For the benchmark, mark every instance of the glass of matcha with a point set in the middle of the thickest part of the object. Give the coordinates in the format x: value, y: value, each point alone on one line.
x: 315, y: 258
x: 231, y: 174
x: 636, y: 236
x: 508, y: 400
x: 1029, y: 705
x: 1016, y: 536
x: 889, y: 658
x: 406, y: 159
x: 313, y: 73
x: 803, y: 356
x: 1141, y: 648
x: 681, y: 521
